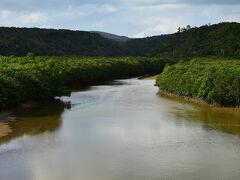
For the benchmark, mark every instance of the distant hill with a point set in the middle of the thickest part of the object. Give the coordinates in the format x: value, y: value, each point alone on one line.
x: 221, y: 40
x: 143, y: 46
x: 112, y: 36
x: 20, y: 41
x: 136, y: 46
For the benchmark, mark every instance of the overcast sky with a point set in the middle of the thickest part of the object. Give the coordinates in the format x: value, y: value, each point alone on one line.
x: 133, y: 18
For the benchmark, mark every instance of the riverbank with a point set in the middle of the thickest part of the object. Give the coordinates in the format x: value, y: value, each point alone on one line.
x: 188, y: 99
x: 4, y: 129
x: 149, y: 77
x: 4, y: 119
x: 209, y: 80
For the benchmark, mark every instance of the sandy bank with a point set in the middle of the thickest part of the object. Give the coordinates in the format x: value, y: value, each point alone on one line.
x: 4, y: 129
x: 176, y: 96
x: 149, y: 77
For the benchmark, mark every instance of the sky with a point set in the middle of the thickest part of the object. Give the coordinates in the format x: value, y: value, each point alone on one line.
x: 132, y: 18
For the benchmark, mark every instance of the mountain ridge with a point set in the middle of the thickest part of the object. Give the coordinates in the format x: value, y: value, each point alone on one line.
x: 221, y: 39
x: 111, y: 36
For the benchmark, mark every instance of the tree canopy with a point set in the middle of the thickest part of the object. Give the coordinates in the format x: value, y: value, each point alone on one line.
x: 222, y: 40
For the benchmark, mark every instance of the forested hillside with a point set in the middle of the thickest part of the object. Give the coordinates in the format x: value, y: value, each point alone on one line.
x: 136, y: 46
x: 20, y: 41
x: 143, y: 46
x: 222, y: 40
x: 45, y: 42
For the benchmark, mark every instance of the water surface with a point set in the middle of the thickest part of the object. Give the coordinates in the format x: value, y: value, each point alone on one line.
x: 118, y: 131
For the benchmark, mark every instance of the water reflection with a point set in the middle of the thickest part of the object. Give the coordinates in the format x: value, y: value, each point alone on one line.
x: 38, y: 118
x: 224, y: 119
x: 33, y: 120
x: 80, y: 88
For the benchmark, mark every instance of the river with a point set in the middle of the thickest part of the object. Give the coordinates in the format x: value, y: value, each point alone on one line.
x: 118, y: 131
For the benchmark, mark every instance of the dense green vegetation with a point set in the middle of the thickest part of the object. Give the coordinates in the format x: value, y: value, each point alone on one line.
x: 143, y: 46
x: 51, y: 42
x: 222, y: 40
x: 33, y: 78
x: 20, y: 41
x: 216, y: 81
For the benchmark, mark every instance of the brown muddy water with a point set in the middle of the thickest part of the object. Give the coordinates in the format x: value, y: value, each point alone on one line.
x: 119, y: 131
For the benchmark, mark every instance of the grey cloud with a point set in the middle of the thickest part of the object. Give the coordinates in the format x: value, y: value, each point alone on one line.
x: 24, y: 5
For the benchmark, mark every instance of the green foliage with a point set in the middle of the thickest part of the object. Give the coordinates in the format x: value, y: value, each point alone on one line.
x: 221, y: 40
x: 216, y: 81
x: 51, y: 42
x: 47, y: 42
x: 33, y: 78
x: 143, y: 46
x: 30, y: 55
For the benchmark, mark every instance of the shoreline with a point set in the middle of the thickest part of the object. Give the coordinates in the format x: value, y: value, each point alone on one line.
x: 189, y: 99
x: 149, y: 77
x: 5, y: 113
x: 4, y: 129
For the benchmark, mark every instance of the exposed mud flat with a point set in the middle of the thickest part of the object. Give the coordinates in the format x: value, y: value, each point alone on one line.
x: 4, y: 129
